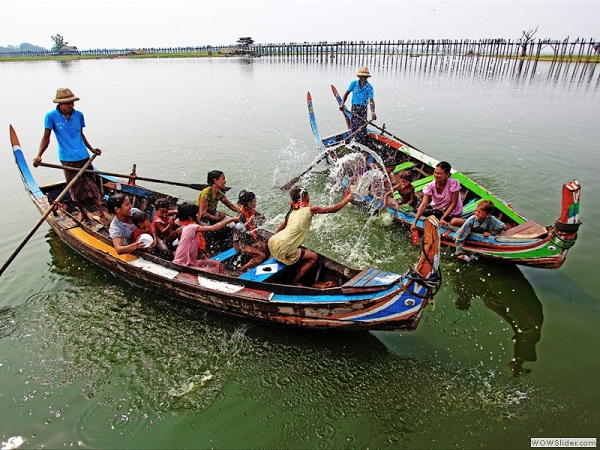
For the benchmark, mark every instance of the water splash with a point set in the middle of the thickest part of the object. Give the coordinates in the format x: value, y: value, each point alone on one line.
x: 195, y: 383
x: 353, y: 170
x: 13, y: 442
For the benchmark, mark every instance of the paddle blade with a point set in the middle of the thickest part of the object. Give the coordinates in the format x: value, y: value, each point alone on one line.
x: 14, y: 140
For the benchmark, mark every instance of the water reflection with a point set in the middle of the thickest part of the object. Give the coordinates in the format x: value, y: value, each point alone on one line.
x: 67, y: 64
x: 506, y: 291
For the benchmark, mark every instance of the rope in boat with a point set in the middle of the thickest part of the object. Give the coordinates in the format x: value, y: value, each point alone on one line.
x: 561, y: 229
x: 432, y: 282
x: 568, y: 228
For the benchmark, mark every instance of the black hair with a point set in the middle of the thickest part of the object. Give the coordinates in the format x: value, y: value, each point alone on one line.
x: 487, y: 206
x: 297, y: 193
x: 138, y: 217
x: 187, y: 210
x: 115, y: 201
x: 161, y: 203
x: 405, y: 175
x: 213, y: 176
x: 446, y: 167
x: 246, y: 197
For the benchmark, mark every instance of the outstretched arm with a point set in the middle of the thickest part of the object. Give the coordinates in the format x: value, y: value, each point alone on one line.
x: 230, y: 205
x: 333, y: 208
x: 217, y: 226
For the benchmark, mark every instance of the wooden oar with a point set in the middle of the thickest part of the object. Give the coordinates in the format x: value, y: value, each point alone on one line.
x: 197, y: 187
x: 293, y: 181
x: 80, y: 172
x: 382, y: 129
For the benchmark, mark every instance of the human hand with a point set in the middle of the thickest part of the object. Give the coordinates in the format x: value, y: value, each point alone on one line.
x: 221, y: 215
x: 97, y: 151
x: 37, y: 161
x: 341, y: 107
x: 373, y: 116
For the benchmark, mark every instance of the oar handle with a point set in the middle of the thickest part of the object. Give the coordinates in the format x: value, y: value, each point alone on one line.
x: 197, y: 187
x: 80, y: 172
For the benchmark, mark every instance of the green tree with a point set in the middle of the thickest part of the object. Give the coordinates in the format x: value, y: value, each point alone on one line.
x: 59, y: 41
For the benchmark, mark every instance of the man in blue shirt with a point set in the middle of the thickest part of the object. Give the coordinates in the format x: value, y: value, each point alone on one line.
x: 362, y: 96
x: 67, y: 124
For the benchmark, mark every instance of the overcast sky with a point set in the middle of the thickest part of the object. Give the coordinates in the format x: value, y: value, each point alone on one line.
x: 90, y: 24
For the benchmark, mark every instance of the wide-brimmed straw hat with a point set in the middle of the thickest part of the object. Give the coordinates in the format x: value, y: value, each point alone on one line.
x: 363, y: 72
x: 65, y: 95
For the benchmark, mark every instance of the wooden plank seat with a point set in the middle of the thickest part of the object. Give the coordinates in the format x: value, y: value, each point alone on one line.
x: 529, y: 229
x: 263, y: 271
x: 470, y: 208
x: 225, y: 255
x: 403, y: 166
x: 420, y: 184
x: 371, y: 278
x: 399, y: 168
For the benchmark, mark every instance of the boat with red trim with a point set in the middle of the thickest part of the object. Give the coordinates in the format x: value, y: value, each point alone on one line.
x: 524, y: 241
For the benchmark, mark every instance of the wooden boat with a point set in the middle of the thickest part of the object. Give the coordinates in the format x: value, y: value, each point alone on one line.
x: 368, y: 299
x: 524, y: 242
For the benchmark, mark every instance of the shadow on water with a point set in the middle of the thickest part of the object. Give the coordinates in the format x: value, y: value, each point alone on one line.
x: 504, y: 290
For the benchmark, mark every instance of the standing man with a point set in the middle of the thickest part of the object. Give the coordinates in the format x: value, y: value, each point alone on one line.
x: 67, y: 124
x: 362, y: 95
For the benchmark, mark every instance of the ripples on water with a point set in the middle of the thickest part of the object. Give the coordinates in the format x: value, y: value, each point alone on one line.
x: 88, y: 361
x: 131, y: 362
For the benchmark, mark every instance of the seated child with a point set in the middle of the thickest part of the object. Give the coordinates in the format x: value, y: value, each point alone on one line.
x: 482, y: 221
x: 164, y: 221
x: 245, y: 236
x: 191, y: 236
x: 142, y: 222
x: 405, y: 189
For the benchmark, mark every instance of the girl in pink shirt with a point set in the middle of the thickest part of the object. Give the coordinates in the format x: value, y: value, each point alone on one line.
x: 191, y: 233
x: 441, y: 197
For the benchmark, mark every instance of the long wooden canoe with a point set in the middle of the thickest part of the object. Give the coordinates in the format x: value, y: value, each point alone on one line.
x: 355, y: 299
x: 524, y: 242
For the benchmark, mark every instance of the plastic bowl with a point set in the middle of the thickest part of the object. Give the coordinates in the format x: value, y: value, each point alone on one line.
x: 146, y: 240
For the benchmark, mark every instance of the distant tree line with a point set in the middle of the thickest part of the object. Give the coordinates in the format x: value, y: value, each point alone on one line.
x: 24, y: 47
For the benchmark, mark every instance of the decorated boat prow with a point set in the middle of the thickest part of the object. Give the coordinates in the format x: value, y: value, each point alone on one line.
x: 523, y: 241
x: 335, y: 296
